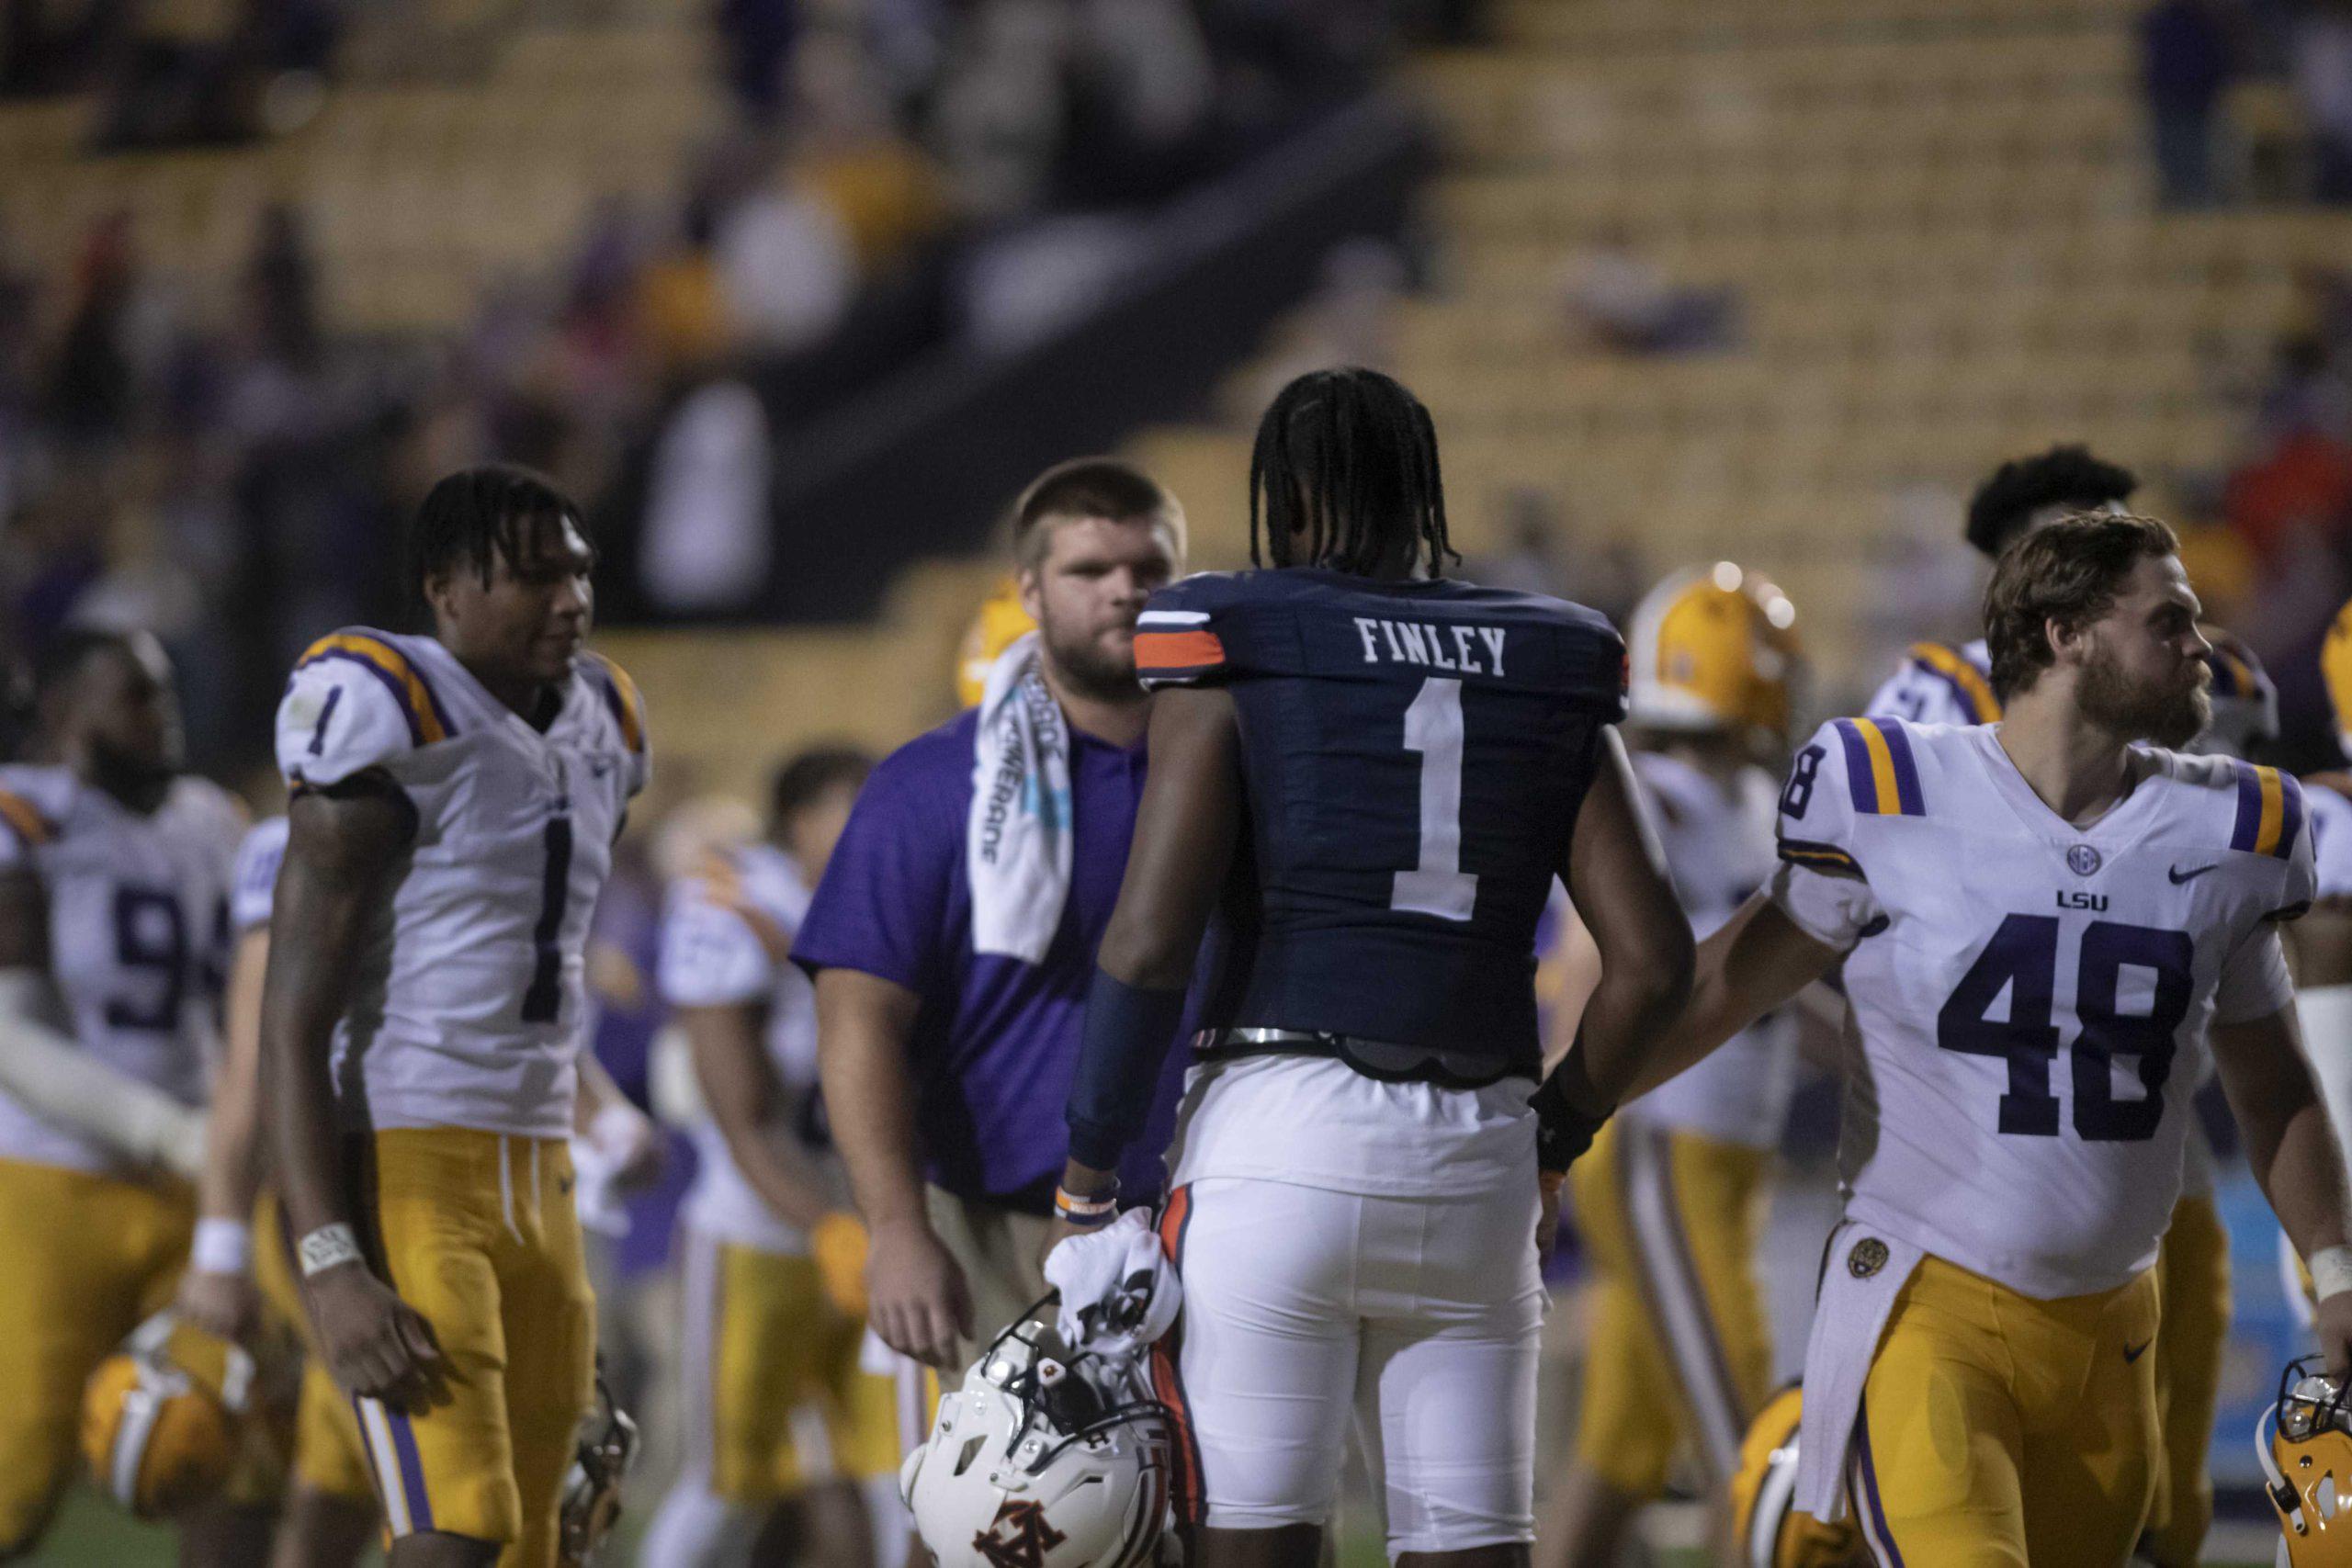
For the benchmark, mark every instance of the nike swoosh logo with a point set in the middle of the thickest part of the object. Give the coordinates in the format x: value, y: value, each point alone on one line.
x: 2180, y: 876
x: 2133, y: 1352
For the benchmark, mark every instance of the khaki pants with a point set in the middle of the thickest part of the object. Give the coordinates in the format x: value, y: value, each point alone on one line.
x: 1002, y: 1254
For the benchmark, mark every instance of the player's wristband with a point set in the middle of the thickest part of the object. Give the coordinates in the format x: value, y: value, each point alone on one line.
x: 1086, y: 1214
x: 329, y: 1247
x: 222, y: 1247
x: 1125, y: 1038
x: 1567, y: 1119
x: 2331, y: 1269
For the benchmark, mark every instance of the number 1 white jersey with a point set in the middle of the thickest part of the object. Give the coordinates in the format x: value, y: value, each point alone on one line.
x: 2030, y: 999
x: 138, y: 933
x: 467, y: 1009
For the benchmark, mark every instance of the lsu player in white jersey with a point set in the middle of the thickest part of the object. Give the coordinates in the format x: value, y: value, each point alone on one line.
x: 456, y: 798
x: 777, y: 1411
x: 113, y: 877
x: 2043, y: 922
x: 1953, y: 683
x: 1670, y: 1200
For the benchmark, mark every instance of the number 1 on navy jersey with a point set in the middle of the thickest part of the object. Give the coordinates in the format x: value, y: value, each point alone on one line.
x: 1438, y: 886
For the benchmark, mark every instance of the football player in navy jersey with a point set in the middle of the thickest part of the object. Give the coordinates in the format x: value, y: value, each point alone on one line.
x: 1370, y: 775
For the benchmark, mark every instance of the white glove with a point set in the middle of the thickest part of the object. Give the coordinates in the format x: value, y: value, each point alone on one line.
x: 1119, y: 1291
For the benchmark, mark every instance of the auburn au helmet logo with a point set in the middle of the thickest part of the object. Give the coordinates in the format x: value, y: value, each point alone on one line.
x: 1019, y: 1537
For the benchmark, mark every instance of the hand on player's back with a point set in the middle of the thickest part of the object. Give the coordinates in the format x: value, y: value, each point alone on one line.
x: 918, y: 1301
x: 377, y: 1346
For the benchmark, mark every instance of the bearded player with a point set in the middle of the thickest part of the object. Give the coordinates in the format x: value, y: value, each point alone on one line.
x: 114, y: 879
x: 2044, y: 924
x: 456, y: 799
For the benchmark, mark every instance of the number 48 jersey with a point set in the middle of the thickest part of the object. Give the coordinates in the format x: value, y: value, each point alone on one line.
x: 1414, y: 755
x: 2024, y: 992
x: 468, y: 1005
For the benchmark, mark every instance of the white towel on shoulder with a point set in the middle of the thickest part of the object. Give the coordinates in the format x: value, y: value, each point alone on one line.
x: 1017, y: 848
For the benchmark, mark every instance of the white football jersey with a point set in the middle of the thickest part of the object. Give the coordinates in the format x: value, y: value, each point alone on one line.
x: 2031, y: 999
x: 1937, y: 684
x: 137, y: 934
x: 726, y: 933
x: 255, y: 889
x: 467, y: 1006
x: 1719, y: 850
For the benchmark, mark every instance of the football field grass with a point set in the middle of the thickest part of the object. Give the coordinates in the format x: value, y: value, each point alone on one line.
x: 92, y: 1533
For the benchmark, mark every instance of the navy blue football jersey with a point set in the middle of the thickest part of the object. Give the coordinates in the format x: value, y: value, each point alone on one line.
x: 1414, y: 756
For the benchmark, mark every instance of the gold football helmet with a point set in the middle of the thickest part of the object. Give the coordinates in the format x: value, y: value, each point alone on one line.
x: 1715, y: 649
x: 998, y: 624
x: 2304, y: 1442
x: 162, y: 1418
x: 1771, y: 1532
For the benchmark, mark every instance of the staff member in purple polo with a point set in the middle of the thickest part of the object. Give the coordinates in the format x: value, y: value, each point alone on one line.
x: 953, y: 937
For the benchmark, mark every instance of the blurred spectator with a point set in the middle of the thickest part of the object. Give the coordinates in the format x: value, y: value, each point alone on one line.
x: 2185, y: 67
x: 1622, y: 301
x: 89, y: 391
x: 706, y: 540
x: 786, y: 269
x: 882, y: 190
x: 2322, y: 71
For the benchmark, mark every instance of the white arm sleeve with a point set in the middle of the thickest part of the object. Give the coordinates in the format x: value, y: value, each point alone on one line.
x: 49, y: 1072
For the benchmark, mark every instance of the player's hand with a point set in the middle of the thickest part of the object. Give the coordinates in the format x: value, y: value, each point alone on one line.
x: 916, y: 1299
x: 2332, y: 1320
x: 376, y: 1344
x: 225, y: 1306
x: 1547, y: 1215
x: 628, y: 1138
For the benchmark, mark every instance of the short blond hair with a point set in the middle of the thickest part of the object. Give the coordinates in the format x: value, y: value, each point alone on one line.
x: 1108, y: 487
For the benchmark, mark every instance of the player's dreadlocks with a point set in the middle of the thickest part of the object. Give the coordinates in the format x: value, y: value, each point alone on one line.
x: 479, y: 514
x: 2065, y: 476
x: 1345, y: 475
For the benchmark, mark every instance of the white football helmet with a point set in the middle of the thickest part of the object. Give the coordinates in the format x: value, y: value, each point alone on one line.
x: 1043, y: 1460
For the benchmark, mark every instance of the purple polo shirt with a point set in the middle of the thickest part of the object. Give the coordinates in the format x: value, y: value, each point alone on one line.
x: 995, y: 1039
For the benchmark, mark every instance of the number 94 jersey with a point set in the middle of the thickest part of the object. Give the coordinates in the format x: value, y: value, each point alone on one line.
x: 1415, y: 753
x: 467, y: 1007
x: 2030, y: 999
x: 138, y: 933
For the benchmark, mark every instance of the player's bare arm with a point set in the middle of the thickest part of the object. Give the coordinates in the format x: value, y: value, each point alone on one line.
x: 1186, y: 826
x: 741, y: 1086
x: 918, y: 1300
x: 2292, y: 1150
x: 339, y: 856
x: 1757, y: 961
x: 1616, y: 877
x: 223, y: 1301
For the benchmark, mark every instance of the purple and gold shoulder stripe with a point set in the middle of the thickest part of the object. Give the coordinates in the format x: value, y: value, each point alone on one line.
x: 2270, y: 812
x: 1880, y: 771
x: 428, y: 721
x: 1967, y: 683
